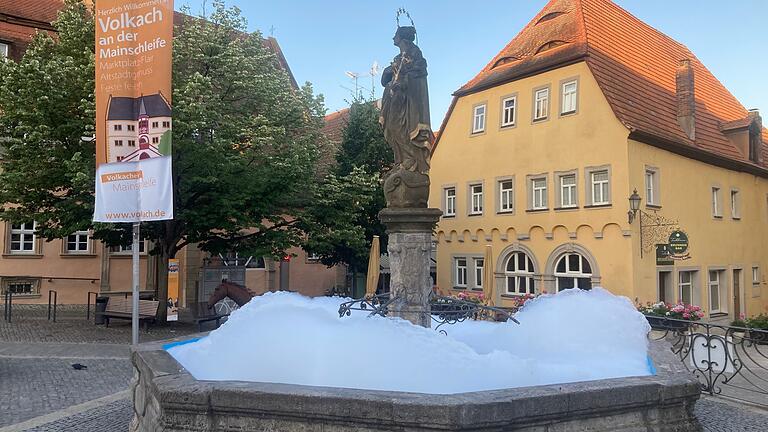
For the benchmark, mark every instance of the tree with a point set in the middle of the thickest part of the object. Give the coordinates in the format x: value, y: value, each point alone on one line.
x: 245, y: 141
x: 356, y: 189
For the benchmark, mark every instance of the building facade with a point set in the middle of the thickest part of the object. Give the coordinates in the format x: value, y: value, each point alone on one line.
x: 135, y: 127
x: 541, y: 151
x: 30, y: 267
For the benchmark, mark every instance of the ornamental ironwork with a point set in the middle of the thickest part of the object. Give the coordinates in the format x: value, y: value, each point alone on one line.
x: 655, y: 229
x: 442, y: 310
x: 728, y: 361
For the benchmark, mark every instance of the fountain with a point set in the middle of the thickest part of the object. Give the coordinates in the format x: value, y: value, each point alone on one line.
x: 358, y: 373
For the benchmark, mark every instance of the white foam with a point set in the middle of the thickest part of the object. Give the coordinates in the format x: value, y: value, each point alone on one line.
x: 287, y: 338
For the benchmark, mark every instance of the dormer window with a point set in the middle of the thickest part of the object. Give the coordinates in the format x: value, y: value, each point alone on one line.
x: 549, y: 45
x: 549, y: 16
x: 4, y: 50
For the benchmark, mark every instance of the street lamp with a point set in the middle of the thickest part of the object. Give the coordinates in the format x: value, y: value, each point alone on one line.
x: 634, y: 206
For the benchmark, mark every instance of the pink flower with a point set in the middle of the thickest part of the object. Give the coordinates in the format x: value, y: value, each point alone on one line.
x: 686, y: 315
x: 700, y: 314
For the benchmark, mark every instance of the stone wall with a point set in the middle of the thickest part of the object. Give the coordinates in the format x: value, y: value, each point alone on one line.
x: 167, y: 398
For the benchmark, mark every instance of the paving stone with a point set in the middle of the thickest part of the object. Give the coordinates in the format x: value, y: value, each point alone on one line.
x: 30, y: 323
x: 32, y: 387
x: 115, y: 416
x: 717, y: 416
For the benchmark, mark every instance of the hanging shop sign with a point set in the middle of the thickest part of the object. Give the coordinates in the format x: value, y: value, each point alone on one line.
x: 663, y: 255
x: 678, y: 244
x: 133, y: 110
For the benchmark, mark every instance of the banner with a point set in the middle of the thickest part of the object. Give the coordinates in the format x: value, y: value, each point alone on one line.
x: 133, y: 110
x: 173, y: 290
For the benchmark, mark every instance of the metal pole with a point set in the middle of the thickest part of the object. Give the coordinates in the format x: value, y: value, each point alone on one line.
x: 135, y: 284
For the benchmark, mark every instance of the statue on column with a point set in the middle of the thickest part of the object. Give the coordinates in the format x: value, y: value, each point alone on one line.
x: 405, y: 120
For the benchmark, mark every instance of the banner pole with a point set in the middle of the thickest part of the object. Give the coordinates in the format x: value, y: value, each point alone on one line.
x: 135, y: 284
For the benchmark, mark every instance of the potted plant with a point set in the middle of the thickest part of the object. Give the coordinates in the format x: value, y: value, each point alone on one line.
x: 758, y: 329
x: 666, y: 316
x: 739, y: 325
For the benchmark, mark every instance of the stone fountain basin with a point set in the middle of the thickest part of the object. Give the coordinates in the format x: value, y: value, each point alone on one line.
x: 168, y: 398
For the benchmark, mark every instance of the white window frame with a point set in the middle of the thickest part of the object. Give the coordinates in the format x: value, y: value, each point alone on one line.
x: 569, y: 190
x: 22, y: 231
x: 479, y: 114
x: 507, y: 194
x: 78, y: 240
x: 681, y: 285
x: 128, y: 249
x: 735, y: 204
x: 539, y: 191
x: 569, y: 99
x: 717, y: 211
x: 755, y: 275
x: 715, y: 286
x: 652, y: 196
x: 540, y: 104
x: 5, y: 50
x: 604, y: 187
x: 570, y: 273
x: 479, y: 267
x: 516, y: 274
x: 508, y: 120
x: 34, y: 284
x: 476, y: 199
x: 450, y: 201
x: 460, y: 272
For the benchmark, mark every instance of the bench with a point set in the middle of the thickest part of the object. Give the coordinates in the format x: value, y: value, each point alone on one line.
x: 203, y: 314
x: 122, y: 308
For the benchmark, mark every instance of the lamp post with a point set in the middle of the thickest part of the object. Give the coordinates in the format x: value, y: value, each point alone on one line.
x: 634, y: 206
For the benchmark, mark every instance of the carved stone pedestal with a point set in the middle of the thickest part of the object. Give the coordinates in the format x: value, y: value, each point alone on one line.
x: 409, y: 247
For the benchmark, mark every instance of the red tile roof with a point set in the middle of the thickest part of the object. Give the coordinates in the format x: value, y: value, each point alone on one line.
x: 36, y: 10
x: 335, y: 123
x: 634, y: 65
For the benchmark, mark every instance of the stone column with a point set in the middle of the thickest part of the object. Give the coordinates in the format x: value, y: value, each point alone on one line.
x: 409, y: 247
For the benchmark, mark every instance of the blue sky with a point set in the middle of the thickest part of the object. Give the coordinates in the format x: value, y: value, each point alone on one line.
x: 323, y: 39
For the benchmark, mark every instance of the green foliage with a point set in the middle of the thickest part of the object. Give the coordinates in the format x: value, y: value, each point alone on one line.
x: 363, y: 159
x: 757, y: 322
x: 244, y: 139
x: 332, y: 222
x: 363, y: 143
x: 46, y: 108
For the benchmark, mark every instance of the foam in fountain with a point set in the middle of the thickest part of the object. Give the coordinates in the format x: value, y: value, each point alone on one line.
x: 287, y: 338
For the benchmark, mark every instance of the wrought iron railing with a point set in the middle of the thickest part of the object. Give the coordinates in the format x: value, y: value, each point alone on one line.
x: 728, y: 361
x: 442, y: 310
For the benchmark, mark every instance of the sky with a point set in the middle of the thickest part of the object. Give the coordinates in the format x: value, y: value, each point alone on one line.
x: 324, y: 39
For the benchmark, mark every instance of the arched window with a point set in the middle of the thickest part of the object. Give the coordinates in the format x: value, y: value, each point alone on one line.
x: 519, y: 274
x: 573, y: 271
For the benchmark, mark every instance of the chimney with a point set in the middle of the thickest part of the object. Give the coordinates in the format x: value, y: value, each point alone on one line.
x: 686, y: 98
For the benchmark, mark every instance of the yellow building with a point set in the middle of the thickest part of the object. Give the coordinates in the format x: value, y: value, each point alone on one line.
x: 541, y: 151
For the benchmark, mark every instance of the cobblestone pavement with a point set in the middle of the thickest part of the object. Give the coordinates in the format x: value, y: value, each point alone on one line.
x: 718, y: 416
x: 30, y: 323
x: 112, y: 417
x: 32, y: 387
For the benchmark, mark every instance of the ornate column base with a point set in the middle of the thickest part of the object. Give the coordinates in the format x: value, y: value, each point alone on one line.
x: 409, y: 248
